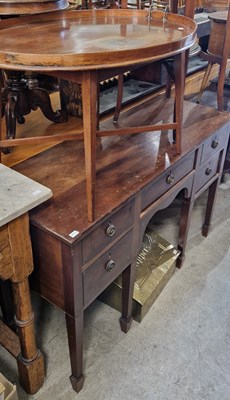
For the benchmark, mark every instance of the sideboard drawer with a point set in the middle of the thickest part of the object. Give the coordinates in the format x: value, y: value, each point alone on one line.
x: 206, y: 172
x: 214, y: 144
x: 101, y: 273
x: 167, y: 180
x: 107, y: 231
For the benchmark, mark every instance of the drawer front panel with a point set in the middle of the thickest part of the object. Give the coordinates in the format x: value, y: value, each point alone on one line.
x: 168, y: 179
x: 214, y: 144
x: 206, y: 172
x: 101, y: 273
x: 107, y: 232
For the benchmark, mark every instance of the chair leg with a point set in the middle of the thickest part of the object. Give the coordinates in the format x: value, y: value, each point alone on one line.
x: 2, y: 80
x: 220, y: 87
x: 205, y: 81
x: 119, y: 97
x: 98, y: 105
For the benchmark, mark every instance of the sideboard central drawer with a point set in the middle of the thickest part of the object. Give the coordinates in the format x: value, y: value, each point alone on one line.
x: 107, y: 232
x: 167, y: 180
x: 102, y: 272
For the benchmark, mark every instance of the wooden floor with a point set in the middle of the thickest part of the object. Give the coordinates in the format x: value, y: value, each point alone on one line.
x: 37, y: 125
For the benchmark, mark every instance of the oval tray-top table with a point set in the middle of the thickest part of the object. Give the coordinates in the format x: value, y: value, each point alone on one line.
x: 15, y: 8
x: 21, y: 93
x: 88, y: 46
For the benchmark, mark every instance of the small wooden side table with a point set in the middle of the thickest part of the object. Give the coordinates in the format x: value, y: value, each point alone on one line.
x: 18, y: 195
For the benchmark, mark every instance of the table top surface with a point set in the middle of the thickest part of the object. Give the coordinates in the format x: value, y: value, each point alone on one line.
x: 92, y: 39
x: 219, y: 16
x: 18, y: 194
x: 15, y: 8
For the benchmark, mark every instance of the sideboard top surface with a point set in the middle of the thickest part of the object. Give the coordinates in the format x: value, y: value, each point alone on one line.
x: 125, y: 165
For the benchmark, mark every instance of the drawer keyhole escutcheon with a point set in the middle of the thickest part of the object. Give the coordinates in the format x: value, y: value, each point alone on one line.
x: 110, y: 265
x: 208, y: 171
x: 170, y: 179
x: 215, y: 144
x: 110, y: 230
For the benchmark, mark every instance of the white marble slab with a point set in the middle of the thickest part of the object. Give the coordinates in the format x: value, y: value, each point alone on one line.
x: 18, y: 194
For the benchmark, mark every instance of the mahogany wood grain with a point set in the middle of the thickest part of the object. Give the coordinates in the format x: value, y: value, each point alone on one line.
x: 14, y: 8
x: 130, y: 170
x: 36, y: 124
x: 120, y: 152
x: 111, y: 39
x: 115, y: 38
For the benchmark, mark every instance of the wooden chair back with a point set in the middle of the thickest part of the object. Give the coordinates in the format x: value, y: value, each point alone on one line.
x: 220, y: 59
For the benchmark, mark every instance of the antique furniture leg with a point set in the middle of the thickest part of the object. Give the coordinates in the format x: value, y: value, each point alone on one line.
x: 185, y: 218
x: 73, y: 292
x: 179, y: 96
x: 204, y: 81
x: 128, y: 277
x: 89, y: 103
x: 218, y: 52
x: 30, y: 360
x: 119, y: 97
x: 212, y: 193
x: 20, y: 194
x: 19, y: 99
x: 1, y: 79
x: 75, y: 339
x: 223, y: 66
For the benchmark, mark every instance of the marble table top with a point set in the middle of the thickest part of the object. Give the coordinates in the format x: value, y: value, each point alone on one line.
x: 18, y: 194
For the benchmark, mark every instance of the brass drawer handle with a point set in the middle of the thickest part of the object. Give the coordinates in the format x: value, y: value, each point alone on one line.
x: 208, y: 171
x: 110, y: 265
x: 110, y: 230
x: 170, y: 179
x: 214, y: 144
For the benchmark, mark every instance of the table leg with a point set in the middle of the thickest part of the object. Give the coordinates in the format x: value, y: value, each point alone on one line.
x: 128, y: 278
x: 212, y: 192
x: 75, y: 338
x: 179, y: 66
x: 30, y: 360
x: 19, y: 98
x: 89, y: 104
x: 185, y: 218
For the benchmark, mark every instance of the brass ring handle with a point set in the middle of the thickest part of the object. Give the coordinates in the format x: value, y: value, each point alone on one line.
x: 110, y: 265
x: 170, y: 179
x: 110, y: 230
x: 214, y: 144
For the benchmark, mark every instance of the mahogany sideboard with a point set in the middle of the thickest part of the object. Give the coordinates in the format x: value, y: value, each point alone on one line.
x: 75, y: 260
